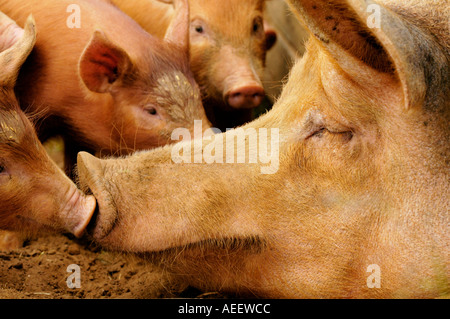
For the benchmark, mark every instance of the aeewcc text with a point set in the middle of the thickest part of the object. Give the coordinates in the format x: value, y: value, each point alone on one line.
x: 232, y: 308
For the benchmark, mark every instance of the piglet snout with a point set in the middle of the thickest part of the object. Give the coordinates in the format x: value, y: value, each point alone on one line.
x: 245, y: 97
x: 78, y: 212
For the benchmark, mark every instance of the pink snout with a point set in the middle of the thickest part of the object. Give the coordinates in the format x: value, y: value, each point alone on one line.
x: 245, y: 97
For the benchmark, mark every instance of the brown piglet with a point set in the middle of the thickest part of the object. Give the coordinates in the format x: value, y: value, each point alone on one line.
x: 35, y: 194
x: 229, y: 42
x: 105, y: 84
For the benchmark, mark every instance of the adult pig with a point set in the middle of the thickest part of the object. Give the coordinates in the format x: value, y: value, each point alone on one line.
x: 228, y: 51
x: 359, y: 203
x: 35, y: 194
x: 108, y: 86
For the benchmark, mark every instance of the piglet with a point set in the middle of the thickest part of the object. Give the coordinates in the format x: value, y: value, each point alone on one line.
x: 105, y: 84
x: 35, y: 195
x: 229, y: 43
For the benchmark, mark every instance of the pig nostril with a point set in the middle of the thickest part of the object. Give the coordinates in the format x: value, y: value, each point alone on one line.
x: 246, y: 97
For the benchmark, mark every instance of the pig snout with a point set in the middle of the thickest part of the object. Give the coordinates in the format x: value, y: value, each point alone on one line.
x: 78, y: 212
x: 238, y: 79
x: 245, y: 97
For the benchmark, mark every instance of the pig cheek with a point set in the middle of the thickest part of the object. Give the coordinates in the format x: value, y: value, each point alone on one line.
x: 259, y: 60
x: 9, y: 201
x: 341, y: 165
x: 149, y: 131
x: 203, y: 65
x: 41, y: 206
x: 15, y: 204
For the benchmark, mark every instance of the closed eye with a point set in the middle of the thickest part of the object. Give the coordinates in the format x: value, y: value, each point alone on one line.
x: 318, y: 133
x: 346, y: 136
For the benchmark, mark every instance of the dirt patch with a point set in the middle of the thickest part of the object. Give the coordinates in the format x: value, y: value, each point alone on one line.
x: 39, y: 271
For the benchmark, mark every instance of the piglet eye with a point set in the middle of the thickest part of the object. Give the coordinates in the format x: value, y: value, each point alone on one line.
x: 257, y: 25
x: 199, y: 29
x: 152, y: 111
x: 2, y: 169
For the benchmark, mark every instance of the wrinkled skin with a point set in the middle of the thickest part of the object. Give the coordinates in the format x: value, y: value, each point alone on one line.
x: 229, y: 42
x: 107, y: 87
x: 35, y: 194
x: 363, y: 176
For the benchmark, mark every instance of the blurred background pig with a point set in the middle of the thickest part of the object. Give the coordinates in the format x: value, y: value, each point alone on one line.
x: 106, y: 87
x: 290, y: 45
x: 228, y: 51
x: 35, y: 194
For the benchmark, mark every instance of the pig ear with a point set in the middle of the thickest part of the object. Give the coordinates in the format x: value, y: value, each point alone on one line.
x: 15, y: 46
x: 178, y: 31
x: 370, y: 33
x: 103, y: 64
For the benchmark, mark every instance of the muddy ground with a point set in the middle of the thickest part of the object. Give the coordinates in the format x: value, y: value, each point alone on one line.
x: 39, y: 271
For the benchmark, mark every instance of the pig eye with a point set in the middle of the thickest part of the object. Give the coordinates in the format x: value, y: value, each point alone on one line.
x: 344, y: 136
x: 152, y: 111
x: 319, y: 133
x: 257, y: 25
x: 2, y: 169
x: 199, y: 29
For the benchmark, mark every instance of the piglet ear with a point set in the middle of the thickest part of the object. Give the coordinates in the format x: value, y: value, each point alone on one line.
x: 103, y: 64
x: 178, y: 31
x: 15, y: 46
